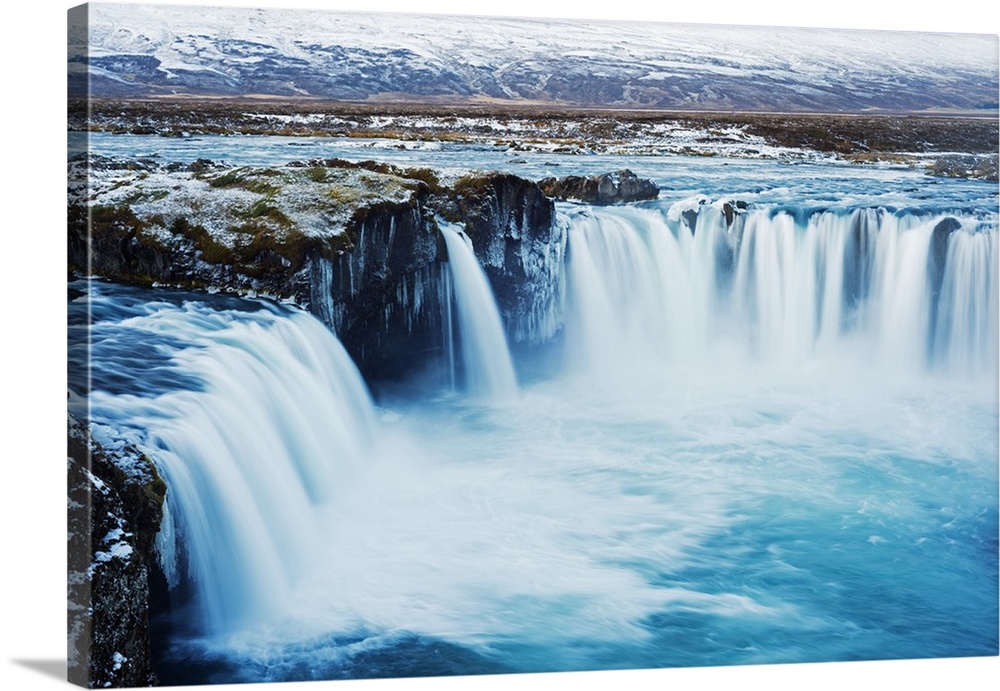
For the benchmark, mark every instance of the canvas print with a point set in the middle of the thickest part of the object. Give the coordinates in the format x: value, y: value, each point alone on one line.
x: 410, y: 345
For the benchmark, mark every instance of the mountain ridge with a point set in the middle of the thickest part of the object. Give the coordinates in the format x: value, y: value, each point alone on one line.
x: 144, y: 51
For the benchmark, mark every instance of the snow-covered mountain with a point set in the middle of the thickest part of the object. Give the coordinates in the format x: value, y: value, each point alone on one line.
x: 140, y: 50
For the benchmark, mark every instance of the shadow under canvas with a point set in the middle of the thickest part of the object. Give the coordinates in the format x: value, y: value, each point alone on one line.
x: 48, y: 667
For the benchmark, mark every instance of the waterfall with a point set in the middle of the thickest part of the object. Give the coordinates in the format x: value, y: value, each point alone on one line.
x: 271, y: 426
x: 969, y: 308
x: 600, y: 513
x: 486, y: 362
x: 782, y: 286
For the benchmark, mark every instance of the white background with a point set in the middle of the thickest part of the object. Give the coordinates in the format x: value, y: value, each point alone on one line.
x: 32, y: 333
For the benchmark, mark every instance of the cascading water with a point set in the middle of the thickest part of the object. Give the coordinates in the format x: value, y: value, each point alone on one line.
x: 265, y: 421
x: 965, y: 337
x: 760, y: 462
x: 486, y: 362
x: 784, y: 287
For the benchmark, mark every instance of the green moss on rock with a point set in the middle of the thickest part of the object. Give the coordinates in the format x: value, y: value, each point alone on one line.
x: 211, y: 250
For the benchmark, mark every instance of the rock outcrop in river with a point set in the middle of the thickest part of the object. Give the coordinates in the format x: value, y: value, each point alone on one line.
x: 607, y: 188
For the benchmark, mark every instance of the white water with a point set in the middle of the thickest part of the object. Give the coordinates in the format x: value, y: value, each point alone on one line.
x: 778, y: 289
x: 762, y: 454
x: 489, y: 372
x: 967, y: 327
x: 280, y: 423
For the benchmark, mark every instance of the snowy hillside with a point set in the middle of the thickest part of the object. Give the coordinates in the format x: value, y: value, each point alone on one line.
x: 161, y: 50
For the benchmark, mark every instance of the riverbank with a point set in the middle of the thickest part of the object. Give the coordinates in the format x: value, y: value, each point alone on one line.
x: 925, y: 140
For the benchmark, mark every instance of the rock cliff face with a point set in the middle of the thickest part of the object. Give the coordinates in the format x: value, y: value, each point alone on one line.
x: 383, y: 296
x: 115, y: 507
x: 512, y: 227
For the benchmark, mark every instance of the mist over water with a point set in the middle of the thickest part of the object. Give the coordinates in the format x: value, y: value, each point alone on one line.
x: 771, y: 440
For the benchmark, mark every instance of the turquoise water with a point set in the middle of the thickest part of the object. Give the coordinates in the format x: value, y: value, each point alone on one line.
x: 693, y: 479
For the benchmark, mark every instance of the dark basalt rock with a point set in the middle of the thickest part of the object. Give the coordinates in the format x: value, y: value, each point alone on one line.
x: 98, y: 162
x: 732, y: 208
x: 200, y: 165
x: 382, y: 295
x: 114, y: 510
x: 607, y: 188
x: 939, y: 249
x: 732, y: 211
x: 511, y: 224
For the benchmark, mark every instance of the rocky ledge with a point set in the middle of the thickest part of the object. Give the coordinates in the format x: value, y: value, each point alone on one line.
x: 357, y: 244
x: 114, y: 510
